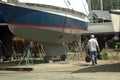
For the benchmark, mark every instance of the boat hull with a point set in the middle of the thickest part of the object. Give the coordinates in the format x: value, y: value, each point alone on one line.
x: 105, y: 27
x: 41, y: 26
x: 115, y: 15
x: 42, y: 35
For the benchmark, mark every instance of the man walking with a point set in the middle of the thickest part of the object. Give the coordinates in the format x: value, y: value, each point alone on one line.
x: 93, y: 46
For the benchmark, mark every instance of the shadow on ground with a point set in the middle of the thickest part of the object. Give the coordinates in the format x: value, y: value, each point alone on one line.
x: 100, y: 68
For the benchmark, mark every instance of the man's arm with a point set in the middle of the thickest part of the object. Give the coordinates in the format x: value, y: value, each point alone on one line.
x: 97, y: 45
x: 98, y: 48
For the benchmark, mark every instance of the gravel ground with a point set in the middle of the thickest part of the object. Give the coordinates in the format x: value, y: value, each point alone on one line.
x: 67, y: 70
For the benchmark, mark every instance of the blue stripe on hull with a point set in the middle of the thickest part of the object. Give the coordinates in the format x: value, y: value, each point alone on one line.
x: 19, y: 15
x: 1, y: 18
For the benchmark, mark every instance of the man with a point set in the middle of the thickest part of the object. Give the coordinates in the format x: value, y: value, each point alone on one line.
x: 93, y: 46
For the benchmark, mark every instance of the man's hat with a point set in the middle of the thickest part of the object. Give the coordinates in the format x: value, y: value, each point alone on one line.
x: 92, y: 36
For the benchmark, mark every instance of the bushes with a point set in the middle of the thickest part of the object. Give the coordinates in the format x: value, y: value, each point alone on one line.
x: 105, y: 56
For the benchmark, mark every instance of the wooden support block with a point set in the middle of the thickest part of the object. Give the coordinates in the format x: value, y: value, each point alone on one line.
x: 15, y: 69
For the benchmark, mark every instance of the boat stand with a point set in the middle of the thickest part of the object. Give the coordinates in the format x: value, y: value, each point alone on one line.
x: 26, y: 55
x: 78, y: 52
x: 78, y: 43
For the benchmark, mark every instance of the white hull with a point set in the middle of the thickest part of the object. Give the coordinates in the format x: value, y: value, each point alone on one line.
x: 105, y: 27
x: 116, y: 22
x: 42, y: 35
x: 115, y: 15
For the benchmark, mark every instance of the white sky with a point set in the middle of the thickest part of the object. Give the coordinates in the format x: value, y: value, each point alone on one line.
x: 4, y: 0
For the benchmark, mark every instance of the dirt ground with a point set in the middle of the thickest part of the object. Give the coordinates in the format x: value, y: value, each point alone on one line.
x: 67, y: 70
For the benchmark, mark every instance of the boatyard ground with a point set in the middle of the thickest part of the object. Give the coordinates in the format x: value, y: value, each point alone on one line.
x: 67, y: 70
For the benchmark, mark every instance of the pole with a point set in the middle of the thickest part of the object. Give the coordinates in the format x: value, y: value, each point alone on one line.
x: 79, y: 46
x: 101, y: 5
x: 89, y: 4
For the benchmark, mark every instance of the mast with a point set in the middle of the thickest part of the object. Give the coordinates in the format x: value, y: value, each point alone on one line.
x: 101, y: 5
x: 89, y: 4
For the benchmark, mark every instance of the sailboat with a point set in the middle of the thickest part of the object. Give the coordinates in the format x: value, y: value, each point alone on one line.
x: 44, y: 20
x: 53, y: 22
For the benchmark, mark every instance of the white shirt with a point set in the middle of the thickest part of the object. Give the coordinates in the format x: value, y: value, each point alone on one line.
x: 92, y: 44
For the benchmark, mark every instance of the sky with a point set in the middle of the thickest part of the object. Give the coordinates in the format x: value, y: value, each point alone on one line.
x: 4, y: 0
